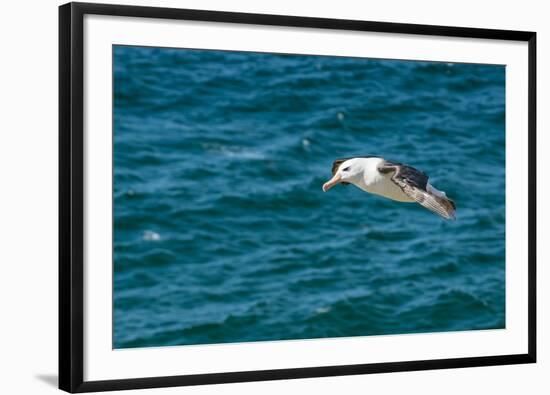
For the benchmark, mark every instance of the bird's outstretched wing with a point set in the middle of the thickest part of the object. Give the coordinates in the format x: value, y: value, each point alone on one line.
x: 414, y: 184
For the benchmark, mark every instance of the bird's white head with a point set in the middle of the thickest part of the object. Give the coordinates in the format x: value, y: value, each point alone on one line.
x: 346, y: 171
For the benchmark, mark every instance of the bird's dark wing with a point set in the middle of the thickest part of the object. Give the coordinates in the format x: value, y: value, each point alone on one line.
x: 414, y: 183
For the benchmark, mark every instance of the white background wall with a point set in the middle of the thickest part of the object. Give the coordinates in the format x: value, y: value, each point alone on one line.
x: 28, y: 195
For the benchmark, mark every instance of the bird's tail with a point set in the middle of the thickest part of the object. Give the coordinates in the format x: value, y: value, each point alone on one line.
x: 434, y: 191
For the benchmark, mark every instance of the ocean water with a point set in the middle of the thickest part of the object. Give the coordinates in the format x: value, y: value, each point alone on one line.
x: 223, y: 234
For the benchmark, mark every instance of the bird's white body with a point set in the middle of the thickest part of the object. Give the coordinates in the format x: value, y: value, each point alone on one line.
x: 372, y: 181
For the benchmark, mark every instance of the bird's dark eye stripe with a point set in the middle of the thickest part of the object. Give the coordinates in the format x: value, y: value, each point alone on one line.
x: 347, y: 168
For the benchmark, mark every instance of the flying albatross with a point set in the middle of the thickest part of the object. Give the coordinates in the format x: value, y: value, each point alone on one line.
x: 392, y: 180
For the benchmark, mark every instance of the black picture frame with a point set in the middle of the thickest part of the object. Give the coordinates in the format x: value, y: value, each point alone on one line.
x: 71, y: 195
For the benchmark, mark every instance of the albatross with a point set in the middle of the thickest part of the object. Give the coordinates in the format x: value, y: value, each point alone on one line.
x: 392, y: 180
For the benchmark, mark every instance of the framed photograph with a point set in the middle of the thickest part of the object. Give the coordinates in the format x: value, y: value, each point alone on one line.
x: 253, y: 197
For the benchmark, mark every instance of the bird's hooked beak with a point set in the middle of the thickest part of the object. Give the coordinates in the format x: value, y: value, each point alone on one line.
x: 332, y: 182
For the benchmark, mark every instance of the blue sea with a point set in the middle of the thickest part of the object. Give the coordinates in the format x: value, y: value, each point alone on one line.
x: 222, y: 232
